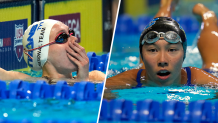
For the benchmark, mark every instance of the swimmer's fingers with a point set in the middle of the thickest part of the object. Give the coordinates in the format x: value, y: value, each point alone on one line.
x: 75, y: 55
x: 83, y: 60
x: 75, y: 60
x: 79, y: 49
x: 83, y: 71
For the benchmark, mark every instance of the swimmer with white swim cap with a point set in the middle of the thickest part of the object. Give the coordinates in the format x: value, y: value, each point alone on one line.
x: 162, y: 49
x: 50, y: 46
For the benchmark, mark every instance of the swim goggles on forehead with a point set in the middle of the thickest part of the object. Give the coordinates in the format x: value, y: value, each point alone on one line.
x: 60, y: 38
x: 153, y: 36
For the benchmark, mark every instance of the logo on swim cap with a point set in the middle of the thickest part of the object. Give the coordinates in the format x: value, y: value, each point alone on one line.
x: 35, y: 36
x: 18, y: 46
x: 151, y: 23
x: 30, y: 44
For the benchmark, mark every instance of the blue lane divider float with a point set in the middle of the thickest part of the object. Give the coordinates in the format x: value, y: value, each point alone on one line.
x: 153, y: 111
x: 98, y: 62
x: 81, y: 91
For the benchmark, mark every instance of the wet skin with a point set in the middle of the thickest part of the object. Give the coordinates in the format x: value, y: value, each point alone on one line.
x: 207, y: 46
x: 66, y: 57
x: 166, y: 8
x: 162, y: 57
x: 207, y: 40
x: 163, y: 63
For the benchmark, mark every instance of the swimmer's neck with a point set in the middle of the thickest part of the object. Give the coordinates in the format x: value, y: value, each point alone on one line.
x: 51, y: 72
x: 55, y: 75
x: 175, y: 82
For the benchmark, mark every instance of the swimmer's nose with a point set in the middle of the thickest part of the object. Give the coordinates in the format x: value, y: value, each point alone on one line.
x: 73, y: 39
x: 163, y: 60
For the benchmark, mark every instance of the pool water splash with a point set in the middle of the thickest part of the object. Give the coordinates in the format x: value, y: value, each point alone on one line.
x: 185, y: 93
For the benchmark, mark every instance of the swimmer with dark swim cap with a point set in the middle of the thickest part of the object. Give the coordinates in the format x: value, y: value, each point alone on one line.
x: 50, y: 46
x: 162, y: 48
x: 165, y: 10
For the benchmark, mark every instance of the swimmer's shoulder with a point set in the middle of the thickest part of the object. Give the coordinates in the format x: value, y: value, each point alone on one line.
x: 126, y: 79
x: 96, y: 75
x: 199, y: 76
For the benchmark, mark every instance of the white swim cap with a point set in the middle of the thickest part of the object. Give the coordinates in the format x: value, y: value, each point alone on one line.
x: 35, y: 36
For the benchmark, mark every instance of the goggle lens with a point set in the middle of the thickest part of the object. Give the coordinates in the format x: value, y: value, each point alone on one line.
x: 153, y: 36
x: 62, y: 37
x: 171, y: 35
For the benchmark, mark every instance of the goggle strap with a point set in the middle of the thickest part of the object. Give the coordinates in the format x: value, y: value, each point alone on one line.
x: 25, y: 51
x: 143, y: 41
x: 27, y: 54
x: 40, y: 46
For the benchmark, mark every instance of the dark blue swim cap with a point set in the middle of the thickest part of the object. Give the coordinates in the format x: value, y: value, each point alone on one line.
x: 164, y: 24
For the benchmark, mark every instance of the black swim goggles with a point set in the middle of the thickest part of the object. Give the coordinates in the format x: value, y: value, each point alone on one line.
x: 60, y: 38
x: 153, y: 36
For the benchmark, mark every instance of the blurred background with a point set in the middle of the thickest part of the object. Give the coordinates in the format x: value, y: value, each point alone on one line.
x: 92, y: 20
x: 132, y: 19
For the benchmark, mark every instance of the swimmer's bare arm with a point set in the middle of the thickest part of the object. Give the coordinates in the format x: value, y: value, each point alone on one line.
x: 123, y: 80
x: 199, y: 76
x: 11, y: 75
x: 96, y: 76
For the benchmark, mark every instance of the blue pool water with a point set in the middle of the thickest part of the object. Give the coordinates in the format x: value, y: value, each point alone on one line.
x: 17, y: 106
x: 125, y: 56
x: 185, y: 94
x: 49, y: 109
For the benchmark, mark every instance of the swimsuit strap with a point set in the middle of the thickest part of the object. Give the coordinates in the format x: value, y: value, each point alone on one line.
x: 188, y: 71
x: 139, y: 78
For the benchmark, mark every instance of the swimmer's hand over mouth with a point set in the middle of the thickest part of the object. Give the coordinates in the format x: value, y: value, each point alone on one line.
x: 77, y: 55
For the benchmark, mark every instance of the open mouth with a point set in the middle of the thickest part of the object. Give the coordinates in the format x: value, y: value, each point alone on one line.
x: 163, y: 73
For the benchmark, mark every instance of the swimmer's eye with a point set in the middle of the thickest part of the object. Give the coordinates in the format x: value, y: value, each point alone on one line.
x: 172, y: 50
x: 152, y: 50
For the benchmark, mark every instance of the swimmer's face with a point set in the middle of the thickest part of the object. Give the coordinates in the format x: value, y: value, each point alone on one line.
x: 163, y: 62
x: 57, y: 52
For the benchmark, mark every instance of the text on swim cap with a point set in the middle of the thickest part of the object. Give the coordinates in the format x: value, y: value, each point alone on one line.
x: 41, y: 36
x: 39, y: 56
x: 151, y: 23
x: 30, y: 45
